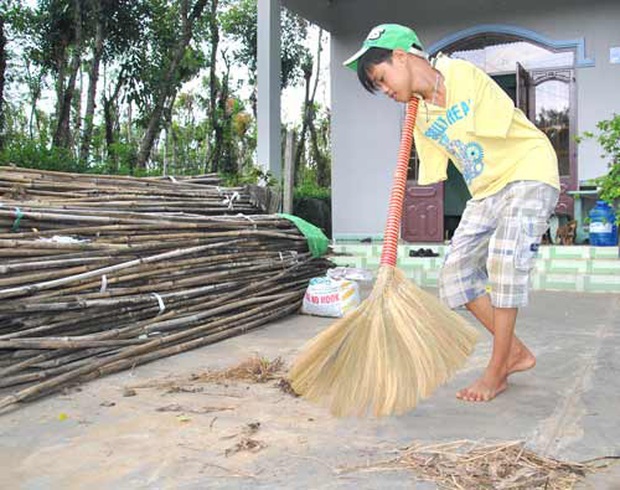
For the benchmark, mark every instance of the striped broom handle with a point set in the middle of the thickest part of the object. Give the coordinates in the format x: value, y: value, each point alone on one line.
x: 397, y: 196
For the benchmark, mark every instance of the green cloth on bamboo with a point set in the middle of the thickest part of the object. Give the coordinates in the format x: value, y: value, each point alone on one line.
x: 18, y: 217
x: 317, y: 241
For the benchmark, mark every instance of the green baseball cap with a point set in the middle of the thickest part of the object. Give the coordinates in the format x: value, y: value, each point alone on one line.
x: 388, y: 36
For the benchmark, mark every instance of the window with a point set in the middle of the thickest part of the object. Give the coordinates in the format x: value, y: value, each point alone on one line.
x: 552, y: 95
x: 503, y: 56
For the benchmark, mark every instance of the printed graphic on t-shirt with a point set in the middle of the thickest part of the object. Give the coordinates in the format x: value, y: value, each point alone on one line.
x: 468, y: 156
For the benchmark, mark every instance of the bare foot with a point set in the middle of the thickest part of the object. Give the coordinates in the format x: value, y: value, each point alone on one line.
x: 521, y: 359
x: 484, y: 389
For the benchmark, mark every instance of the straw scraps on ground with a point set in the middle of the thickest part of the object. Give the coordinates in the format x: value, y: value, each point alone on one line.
x: 465, y: 465
x: 470, y: 465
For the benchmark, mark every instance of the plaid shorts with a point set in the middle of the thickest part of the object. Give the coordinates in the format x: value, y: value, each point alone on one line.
x: 496, y: 244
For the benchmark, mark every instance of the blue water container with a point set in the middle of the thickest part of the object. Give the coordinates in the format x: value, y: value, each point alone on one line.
x: 603, y: 228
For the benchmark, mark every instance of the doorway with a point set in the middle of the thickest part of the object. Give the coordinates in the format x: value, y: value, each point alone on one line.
x: 456, y: 193
x: 541, y: 82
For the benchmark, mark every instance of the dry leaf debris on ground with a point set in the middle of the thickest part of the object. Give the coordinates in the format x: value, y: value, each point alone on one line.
x: 175, y: 407
x: 472, y: 465
x: 466, y: 465
x: 245, y: 444
x: 253, y: 370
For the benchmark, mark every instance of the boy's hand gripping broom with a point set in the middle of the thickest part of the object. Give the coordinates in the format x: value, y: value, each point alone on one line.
x: 398, y: 345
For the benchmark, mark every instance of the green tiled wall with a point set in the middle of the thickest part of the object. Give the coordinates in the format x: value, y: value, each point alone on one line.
x: 574, y: 268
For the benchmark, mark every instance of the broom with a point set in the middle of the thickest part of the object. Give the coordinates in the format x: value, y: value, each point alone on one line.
x: 398, y: 345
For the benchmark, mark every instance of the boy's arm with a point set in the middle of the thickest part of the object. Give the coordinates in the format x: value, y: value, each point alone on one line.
x: 433, y: 163
x: 492, y: 108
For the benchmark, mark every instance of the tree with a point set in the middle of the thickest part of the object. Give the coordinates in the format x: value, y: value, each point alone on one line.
x: 22, y: 23
x: 3, y: 60
x: 240, y: 22
x: 171, y: 75
x: 214, y: 86
x: 309, y: 116
x: 110, y: 118
x: 25, y: 75
x: 93, y: 77
x: 117, y: 68
x: 320, y: 140
x: 123, y: 63
x: 68, y: 28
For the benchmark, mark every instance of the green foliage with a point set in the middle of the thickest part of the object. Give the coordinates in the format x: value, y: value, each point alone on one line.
x: 609, y: 138
x: 147, y: 57
x: 250, y: 175
x: 239, y: 22
x: 313, y: 203
x: 121, y: 160
x: 309, y: 189
x: 139, y: 40
x: 24, y: 152
x: 314, y: 164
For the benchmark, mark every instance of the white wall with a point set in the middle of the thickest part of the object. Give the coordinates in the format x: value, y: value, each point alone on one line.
x: 366, y: 128
x: 598, y: 88
x: 365, y: 138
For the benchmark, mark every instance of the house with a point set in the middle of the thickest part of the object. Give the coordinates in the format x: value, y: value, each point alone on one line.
x: 558, y: 59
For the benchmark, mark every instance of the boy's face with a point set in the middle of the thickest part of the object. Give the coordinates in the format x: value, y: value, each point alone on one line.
x: 393, y: 78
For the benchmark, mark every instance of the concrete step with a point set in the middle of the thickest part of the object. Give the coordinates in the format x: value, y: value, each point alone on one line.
x: 570, y: 268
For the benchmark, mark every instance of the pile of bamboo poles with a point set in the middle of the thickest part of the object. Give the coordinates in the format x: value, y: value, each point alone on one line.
x: 87, y: 292
x: 200, y: 195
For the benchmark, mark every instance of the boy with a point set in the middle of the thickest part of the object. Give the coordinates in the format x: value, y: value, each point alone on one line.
x: 509, y: 167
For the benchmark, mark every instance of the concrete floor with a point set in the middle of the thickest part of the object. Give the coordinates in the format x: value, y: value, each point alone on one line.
x: 179, y: 432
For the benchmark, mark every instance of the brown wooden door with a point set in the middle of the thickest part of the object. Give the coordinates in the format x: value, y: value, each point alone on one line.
x: 423, y: 213
x: 548, y: 98
x: 524, y: 94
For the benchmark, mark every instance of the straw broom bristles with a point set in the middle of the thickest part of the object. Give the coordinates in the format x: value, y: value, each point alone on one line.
x: 391, y: 351
x: 397, y: 346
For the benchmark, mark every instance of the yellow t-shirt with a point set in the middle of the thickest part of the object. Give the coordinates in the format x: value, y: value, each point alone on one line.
x: 489, y: 140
